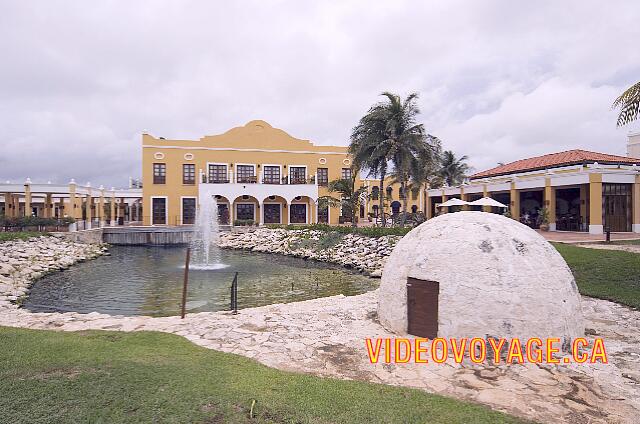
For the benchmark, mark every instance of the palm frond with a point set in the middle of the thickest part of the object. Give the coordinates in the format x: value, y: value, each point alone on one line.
x: 629, y: 104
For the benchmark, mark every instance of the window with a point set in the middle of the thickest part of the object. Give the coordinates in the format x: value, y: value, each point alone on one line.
x: 323, y: 177
x: 414, y: 193
x: 389, y: 191
x: 346, y: 214
x: 271, y: 175
x: 188, y: 211
x: 218, y: 174
x: 159, y: 210
x: 375, y: 193
x: 298, y: 213
x: 323, y: 214
x: 271, y: 213
x: 246, y: 174
x: 346, y: 173
x: 245, y: 211
x: 401, y: 192
x: 298, y: 175
x: 188, y: 173
x: 223, y: 214
x: 159, y: 173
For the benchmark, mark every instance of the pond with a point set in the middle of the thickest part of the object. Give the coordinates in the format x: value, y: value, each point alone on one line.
x: 148, y: 281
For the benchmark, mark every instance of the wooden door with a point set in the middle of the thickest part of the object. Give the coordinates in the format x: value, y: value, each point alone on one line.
x: 422, y: 307
x: 616, y: 206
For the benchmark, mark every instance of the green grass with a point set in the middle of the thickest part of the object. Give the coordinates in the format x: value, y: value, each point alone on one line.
x: 148, y: 377
x: 20, y: 235
x: 365, y: 231
x: 605, y: 274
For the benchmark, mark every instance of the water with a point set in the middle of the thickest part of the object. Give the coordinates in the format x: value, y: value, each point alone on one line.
x: 148, y: 281
x: 205, y: 254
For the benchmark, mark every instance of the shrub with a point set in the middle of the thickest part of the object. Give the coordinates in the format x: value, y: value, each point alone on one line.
x: 33, y: 221
x: 243, y: 222
x: 365, y: 231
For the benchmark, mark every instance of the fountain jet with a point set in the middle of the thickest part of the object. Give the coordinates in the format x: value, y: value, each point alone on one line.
x: 204, y: 243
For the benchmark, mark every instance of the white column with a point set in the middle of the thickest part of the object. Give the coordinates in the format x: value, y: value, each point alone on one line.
x: 261, y: 214
x: 285, y: 213
x: 316, y: 215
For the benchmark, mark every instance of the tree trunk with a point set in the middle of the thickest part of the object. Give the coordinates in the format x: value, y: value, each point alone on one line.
x: 381, y: 199
x: 403, y: 187
x: 354, y: 223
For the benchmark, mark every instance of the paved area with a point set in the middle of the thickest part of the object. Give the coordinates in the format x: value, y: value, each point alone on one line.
x: 326, y: 337
x: 580, y: 237
x: 633, y: 248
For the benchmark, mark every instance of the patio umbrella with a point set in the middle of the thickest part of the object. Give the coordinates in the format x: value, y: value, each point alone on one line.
x: 487, y: 201
x: 453, y: 202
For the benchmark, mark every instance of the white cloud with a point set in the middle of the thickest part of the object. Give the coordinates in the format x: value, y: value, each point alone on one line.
x: 499, y: 80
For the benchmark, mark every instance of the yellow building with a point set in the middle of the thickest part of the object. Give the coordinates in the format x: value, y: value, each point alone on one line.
x: 393, y: 198
x: 581, y: 190
x: 256, y: 173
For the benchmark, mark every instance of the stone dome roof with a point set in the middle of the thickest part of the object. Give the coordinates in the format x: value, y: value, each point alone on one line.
x: 496, y: 278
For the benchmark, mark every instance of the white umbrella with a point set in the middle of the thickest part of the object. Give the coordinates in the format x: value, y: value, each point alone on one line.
x: 453, y: 202
x: 487, y: 201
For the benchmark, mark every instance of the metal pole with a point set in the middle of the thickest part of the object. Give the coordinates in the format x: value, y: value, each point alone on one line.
x: 234, y: 294
x: 184, y: 285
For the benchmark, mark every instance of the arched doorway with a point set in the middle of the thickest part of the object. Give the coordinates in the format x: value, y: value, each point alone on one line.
x: 300, y: 210
x: 245, y: 210
x: 274, y: 210
x: 223, y: 210
x: 395, y: 207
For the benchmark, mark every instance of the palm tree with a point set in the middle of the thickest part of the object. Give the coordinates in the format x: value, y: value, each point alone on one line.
x: 389, y: 135
x: 350, y: 197
x: 453, y: 170
x: 629, y: 104
x: 425, y: 167
x: 369, y: 149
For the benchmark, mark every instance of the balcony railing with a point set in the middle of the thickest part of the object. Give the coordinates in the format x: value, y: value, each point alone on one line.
x: 253, y: 179
x: 248, y: 180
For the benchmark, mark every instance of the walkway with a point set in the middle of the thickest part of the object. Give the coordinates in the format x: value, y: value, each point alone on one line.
x: 326, y: 337
x: 581, y: 237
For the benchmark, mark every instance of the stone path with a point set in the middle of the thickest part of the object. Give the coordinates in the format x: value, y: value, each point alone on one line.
x: 326, y: 337
x: 633, y: 248
x: 583, y: 237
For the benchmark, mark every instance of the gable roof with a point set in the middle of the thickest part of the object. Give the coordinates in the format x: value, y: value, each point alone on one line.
x: 555, y: 160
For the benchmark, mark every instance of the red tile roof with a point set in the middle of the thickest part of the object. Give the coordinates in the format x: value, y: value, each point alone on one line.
x: 555, y: 160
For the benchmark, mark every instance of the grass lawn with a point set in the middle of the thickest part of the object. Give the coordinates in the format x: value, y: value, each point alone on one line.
x: 112, y: 377
x: 605, y: 274
x: 20, y: 235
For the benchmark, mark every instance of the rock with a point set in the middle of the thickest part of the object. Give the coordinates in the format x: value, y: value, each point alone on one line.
x: 494, y: 276
x: 6, y: 269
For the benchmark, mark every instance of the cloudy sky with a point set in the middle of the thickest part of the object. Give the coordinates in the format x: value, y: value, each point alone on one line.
x: 498, y: 80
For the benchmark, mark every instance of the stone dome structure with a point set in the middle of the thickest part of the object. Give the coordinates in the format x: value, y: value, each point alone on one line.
x: 478, y: 274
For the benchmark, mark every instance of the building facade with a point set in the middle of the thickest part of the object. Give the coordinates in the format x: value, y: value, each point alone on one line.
x: 257, y: 174
x: 581, y: 190
x: 90, y: 207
